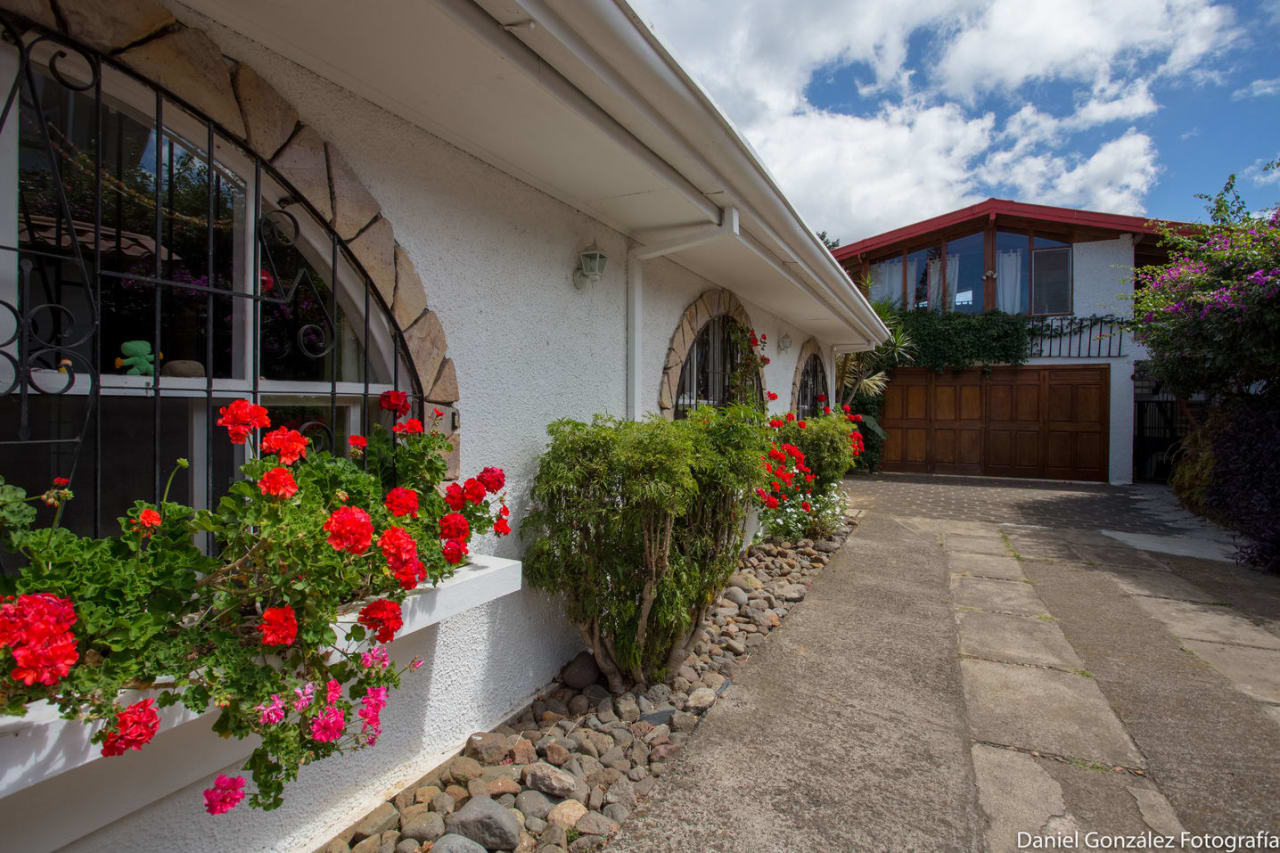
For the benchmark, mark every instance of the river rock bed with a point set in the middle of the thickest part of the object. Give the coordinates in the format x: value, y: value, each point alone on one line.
x: 565, y: 772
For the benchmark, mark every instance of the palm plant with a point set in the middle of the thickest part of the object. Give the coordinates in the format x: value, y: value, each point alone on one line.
x: 865, y: 374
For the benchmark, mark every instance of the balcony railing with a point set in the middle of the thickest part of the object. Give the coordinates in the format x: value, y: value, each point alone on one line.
x: 1098, y: 336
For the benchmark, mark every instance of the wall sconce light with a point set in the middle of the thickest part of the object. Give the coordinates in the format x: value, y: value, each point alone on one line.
x: 784, y: 344
x: 591, y: 264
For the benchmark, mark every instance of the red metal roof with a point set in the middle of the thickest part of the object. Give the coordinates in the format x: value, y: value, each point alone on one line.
x: 999, y: 207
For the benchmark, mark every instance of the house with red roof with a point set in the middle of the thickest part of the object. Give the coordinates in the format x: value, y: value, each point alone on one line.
x: 1073, y: 410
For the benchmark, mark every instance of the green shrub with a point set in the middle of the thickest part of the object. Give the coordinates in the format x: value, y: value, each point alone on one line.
x: 824, y: 441
x: 639, y: 525
x: 955, y: 341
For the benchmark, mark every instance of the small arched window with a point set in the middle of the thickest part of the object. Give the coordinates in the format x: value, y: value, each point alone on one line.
x: 152, y: 270
x: 708, y: 375
x: 813, y: 384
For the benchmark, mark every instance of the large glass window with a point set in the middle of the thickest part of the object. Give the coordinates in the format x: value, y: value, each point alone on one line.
x: 924, y: 278
x: 966, y: 274
x: 161, y: 271
x: 706, y: 379
x: 1050, y: 277
x: 1013, y: 272
x: 886, y: 281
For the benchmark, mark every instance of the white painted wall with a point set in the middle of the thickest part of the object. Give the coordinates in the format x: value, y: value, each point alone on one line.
x: 1102, y: 271
x: 496, y: 257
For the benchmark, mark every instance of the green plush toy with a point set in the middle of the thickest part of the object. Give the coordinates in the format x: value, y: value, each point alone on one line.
x: 138, y: 358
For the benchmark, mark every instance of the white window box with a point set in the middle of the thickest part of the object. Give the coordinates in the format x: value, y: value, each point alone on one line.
x: 42, y: 745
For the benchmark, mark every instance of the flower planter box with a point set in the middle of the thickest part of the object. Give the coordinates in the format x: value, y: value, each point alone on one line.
x: 38, y: 749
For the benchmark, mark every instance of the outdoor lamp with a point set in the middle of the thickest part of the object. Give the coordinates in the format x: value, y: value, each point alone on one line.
x: 591, y: 263
x: 784, y: 344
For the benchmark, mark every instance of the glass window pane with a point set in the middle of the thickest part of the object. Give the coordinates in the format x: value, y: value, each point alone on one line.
x: 1052, y: 280
x: 886, y: 282
x: 966, y: 274
x: 923, y: 269
x: 1013, y: 272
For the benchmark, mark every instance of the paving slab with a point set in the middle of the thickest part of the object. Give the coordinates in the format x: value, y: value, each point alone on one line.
x: 996, y: 595
x: 1157, y: 584
x: 1205, y: 622
x: 1042, y: 797
x: 1037, y: 546
x: 1044, y: 710
x: 984, y: 565
x: 989, y: 544
x: 1118, y: 555
x: 1015, y: 639
x: 1255, y: 672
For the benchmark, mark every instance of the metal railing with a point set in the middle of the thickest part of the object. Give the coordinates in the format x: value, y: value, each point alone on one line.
x: 1097, y: 336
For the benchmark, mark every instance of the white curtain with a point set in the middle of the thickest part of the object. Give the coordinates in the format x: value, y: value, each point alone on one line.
x: 912, y: 274
x: 886, y: 282
x: 1009, y: 281
x: 935, y: 284
x: 953, y: 280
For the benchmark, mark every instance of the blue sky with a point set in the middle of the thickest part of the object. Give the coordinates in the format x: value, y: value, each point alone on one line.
x: 872, y: 114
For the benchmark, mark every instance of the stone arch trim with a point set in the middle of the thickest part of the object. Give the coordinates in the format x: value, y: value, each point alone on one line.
x: 712, y: 303
x: 810, y: 348
x: 145, y: 36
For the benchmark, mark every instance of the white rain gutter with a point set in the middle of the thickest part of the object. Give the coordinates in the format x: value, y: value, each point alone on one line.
x: 636, y: 255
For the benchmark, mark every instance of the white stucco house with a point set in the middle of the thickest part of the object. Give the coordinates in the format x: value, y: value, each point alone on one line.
x: 515, y: 210
x: 1069, y: 411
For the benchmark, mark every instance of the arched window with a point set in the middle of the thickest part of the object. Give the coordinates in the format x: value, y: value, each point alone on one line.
x: 708, y: 373
x: 152, y: 270
x: 813, y: 384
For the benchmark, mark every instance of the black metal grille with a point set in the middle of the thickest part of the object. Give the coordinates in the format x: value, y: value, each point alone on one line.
x: 706, y: 376
x: 153, y: 269
x: 1076, y: 337
x: 813, y: 382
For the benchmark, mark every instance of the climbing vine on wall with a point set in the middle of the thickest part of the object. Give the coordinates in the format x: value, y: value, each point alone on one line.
x: 954, y: 341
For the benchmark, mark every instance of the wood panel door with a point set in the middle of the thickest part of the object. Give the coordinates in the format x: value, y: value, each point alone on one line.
x: 1029, y: 421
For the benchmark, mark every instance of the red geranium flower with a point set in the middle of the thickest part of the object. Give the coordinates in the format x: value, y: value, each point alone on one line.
x: 826, y: 410
x: 358, y: 441
x: 454, y: 550
x: 147, y: 519
x: 474, y: 491
x: 225, y: 795
x: 350, y: 530
x: 289, y: 444
x: 59, y: 482
x: 822, y: 398
x: 279, y: 483
x: 501, y: 527
x: 241, y: 418
x: 791, y: 416
x: 801, y: 424
x: 383, y: 618
x: 493, y: 479
x: 846, y: 408
x: 775, y: 423
x: 771, y: 502
x: 505, y: 511
x: 401, y: 552
x: 395, y: 401
x: 134, y: 728
x: 33, y: 617
x: 772, y: 396
x: 400, y: 501
x: 804, y: 505
x: 279, y: 626
x: 764, y: 359
x: 454, y: 497
x: 412, y: 426
x: 454, y: 526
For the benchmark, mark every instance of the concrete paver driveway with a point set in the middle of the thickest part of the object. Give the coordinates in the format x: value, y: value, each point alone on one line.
x: 985, y: 658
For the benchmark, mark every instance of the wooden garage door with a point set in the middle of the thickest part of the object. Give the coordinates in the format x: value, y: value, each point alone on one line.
x: 1030, y: 421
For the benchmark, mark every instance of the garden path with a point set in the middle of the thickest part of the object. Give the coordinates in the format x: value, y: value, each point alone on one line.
x: 982, y: 659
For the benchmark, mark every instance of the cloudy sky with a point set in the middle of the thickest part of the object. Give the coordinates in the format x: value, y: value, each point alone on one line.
x: 872, y: 114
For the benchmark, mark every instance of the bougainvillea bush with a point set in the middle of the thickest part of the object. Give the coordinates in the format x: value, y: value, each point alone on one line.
x: 111, y: 629
x: 1210, y: 320
x: 639, y: 525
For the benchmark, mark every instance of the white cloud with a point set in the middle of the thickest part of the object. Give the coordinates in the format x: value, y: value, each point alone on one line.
x: 925, y: 148
x: 1261, y: 175
x: 1257, y: 89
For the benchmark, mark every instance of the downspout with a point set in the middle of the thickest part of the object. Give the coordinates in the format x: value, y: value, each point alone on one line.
x: 636, y: 256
